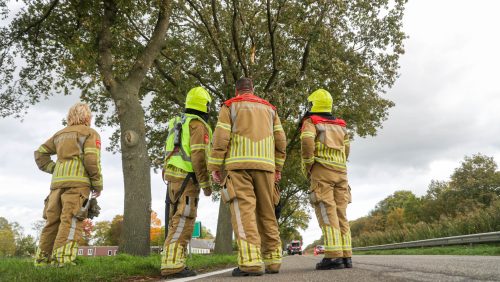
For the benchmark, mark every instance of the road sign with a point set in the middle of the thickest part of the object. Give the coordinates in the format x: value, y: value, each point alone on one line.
x: 196, y: 230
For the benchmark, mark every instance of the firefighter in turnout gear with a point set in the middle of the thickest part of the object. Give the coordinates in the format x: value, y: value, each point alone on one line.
x: 185, y: 169
x: 75, y: 174
x: 249, y: 143
x: 325, y: 149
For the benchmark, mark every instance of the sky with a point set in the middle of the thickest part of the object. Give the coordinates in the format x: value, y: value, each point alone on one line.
x: 447, y: 100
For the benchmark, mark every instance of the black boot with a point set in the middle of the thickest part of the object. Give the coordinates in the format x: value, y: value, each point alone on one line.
x: 330, y: 263
x: 237, y: 272
x: 347, y: 262
x: 186, y: 272
x: 268, y: 271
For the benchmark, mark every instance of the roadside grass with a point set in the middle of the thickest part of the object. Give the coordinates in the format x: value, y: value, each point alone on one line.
x: 461, y: 250
x: 117, y: 268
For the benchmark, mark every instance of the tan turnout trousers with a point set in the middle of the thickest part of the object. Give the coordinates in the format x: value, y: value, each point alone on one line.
x: 58, y: 241
x: 180, y: 226
x: 252, y: 200
x: 329, y: 197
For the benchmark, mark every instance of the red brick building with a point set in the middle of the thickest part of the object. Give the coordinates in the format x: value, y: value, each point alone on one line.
x: 95, y: 251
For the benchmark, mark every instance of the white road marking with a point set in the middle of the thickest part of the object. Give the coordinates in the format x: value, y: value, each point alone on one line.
x: 202, y: 275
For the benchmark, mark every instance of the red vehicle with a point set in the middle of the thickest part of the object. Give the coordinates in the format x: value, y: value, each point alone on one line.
x: 295, y: 247
x: 319, y: 249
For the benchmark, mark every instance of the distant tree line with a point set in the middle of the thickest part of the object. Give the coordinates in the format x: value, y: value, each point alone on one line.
x: 466, y: 204
x: 13, y: 241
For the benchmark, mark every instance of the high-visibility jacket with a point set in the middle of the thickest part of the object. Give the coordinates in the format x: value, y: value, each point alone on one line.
x: 78, y: 164
x: 191, y: 156
x: 325, y: 141
x: 248, y: 135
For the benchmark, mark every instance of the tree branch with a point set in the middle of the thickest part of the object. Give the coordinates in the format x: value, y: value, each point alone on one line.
x: 307, y: 49
x: 271, y: 31
x: 235, y: 38
x: 164, y: 74
x: 36, y: 23
x: 195, y: 75
x: 229, y: 58
x: 212, y: 38
x: 105, y: 60
x: 153, y: 47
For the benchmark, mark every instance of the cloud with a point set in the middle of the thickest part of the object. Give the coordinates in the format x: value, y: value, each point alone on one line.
x: 446, y: 99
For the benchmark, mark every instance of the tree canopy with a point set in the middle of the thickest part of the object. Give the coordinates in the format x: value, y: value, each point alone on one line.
x: 133, y: 61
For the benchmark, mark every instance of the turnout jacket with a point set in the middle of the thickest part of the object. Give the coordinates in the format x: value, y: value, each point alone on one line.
x: 324, y: 141
x: 248, y: 135
x: 199, y: 143
x: 78, y: 163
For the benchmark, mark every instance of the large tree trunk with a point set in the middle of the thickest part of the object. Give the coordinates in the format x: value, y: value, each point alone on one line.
x: 224, y: 236
x: 136, y: 172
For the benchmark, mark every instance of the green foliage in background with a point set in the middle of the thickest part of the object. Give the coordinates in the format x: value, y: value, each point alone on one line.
x: 469, y: 203
x: 13, y: 242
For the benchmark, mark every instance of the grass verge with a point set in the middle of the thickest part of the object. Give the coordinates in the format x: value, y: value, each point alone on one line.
x: 465, y: 250
x: 117, y: 268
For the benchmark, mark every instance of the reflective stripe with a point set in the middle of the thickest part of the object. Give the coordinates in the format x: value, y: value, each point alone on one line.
x: 65, y: 254
x: 204, y: 184
x: 346, y: 241
x: 187, y: 209
x: 72, y: 179
x: 226, y: 194
x: 50, y: 167
x: 182, y: 221
x: 249, y: 159
x: 307, y: 134
x: 216, y: 161
x: 92, y: 151
x: 198, y: 147
x: 249, y: 254
x: 330, y: 156
x: 245, y: 150
x: 331, y: 239
x: 278, y: 127
x: 237, y: 214
x: 224, y: 126
x: 175, y: 172
x: 42, y: 149
x: 72, y: 229
x: 308, y: 161
x: 273, y: 257
x: 279, y: 161
x: 173, y: 256
x: 330, y: 163
x: 324, y: 214
x: 71, y: 170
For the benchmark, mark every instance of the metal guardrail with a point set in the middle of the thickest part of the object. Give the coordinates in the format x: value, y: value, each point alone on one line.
x: 454, y: 240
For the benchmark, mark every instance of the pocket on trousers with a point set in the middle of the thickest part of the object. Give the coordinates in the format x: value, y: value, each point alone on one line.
x: 80, y: 211
x: 227, y: 192
x: 45, y: 206
x: 318, y: 190
x: 276, y: 194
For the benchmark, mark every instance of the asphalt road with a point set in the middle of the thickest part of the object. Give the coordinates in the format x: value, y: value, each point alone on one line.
x: 384, y: 268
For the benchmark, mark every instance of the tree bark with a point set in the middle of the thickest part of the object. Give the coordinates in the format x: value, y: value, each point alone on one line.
x: 224, y: 236
x: 136, y: 171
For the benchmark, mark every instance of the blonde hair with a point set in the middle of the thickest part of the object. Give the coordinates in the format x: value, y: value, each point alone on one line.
x: 79, y: 114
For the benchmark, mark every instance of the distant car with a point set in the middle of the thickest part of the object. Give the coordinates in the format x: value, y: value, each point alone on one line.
x: 319, y: 249
x: 295, y: 247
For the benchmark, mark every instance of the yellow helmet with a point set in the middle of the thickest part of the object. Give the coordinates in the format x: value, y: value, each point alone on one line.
x: 321, y: 101
x: 198, y: 99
